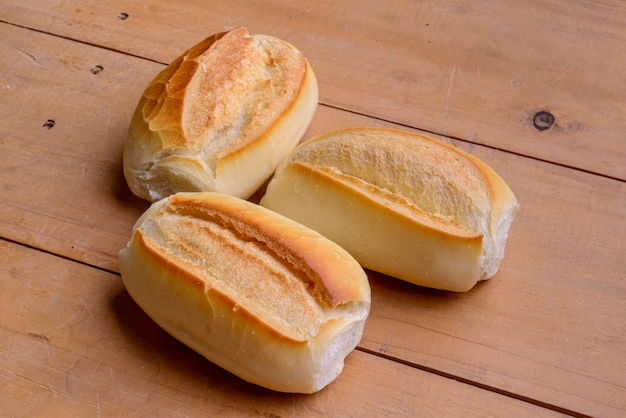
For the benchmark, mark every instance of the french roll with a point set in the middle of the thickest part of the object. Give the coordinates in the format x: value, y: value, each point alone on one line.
x: 403, y: 204
x: 256, y: 293
x: 220, y: 117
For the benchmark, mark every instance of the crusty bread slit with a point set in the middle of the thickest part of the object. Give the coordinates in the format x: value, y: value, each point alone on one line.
x: 403, y: 204
x: 220, y: 117
x: 276, y: 293
x: 260, y: 295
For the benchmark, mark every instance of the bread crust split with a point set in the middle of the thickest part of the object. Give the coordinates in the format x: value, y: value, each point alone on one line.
x: 220, y: 117
x: 403, y: 204
x: 258, y: 294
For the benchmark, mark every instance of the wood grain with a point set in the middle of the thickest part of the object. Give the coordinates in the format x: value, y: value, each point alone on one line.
x: 62, y: 185
x: 478, y: 71
x: 552, y: 321
x: 550, y: 328
x: 100, y: 355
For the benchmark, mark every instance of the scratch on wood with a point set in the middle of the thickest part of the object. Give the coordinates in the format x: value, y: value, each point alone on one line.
x: 559, y: 77
x: 167, y: 398
x: 44, y: 385
x: 83, y: 171
x: 28, y: 56
x: 68, y: 373
x: 445, y: 111
x: 92, y: 373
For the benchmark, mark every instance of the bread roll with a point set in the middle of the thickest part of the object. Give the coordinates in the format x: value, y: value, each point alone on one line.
x: 403, y: 204
x: 220, y: 117
x: 258, y: 294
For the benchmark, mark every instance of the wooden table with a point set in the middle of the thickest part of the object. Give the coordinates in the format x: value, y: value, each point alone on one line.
x: 545, y: 337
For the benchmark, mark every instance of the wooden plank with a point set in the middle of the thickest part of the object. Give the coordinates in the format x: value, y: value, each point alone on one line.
x: 61, y: 190
x: 478, y: 71
x: 100, y: 354
x: 552, y: 324
x: 55, y: 177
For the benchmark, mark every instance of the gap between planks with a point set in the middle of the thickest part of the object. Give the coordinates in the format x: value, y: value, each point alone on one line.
x: 417, y: 366
x: 472, y: 143
x: 469, y: 141
x: 488, y: 388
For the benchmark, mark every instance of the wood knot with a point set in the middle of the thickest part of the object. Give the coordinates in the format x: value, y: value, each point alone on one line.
x: 543, y: 120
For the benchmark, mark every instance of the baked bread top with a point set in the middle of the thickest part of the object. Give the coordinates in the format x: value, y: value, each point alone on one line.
x: 391, y: 193
x: 256, y: 293
x: 232, y: 100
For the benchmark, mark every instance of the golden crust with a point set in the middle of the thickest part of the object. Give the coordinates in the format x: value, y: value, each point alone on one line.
x: 189, y: 278
x: 163, y: 99
x: 388, y: 203
x: 375, y: 227
x: 230, y: 98
x: 216, y: 273
x: 327, y: 271
x: 399, y: 178
x: 267, y: 264
x: 205, y: 88
x: 298, y: 113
